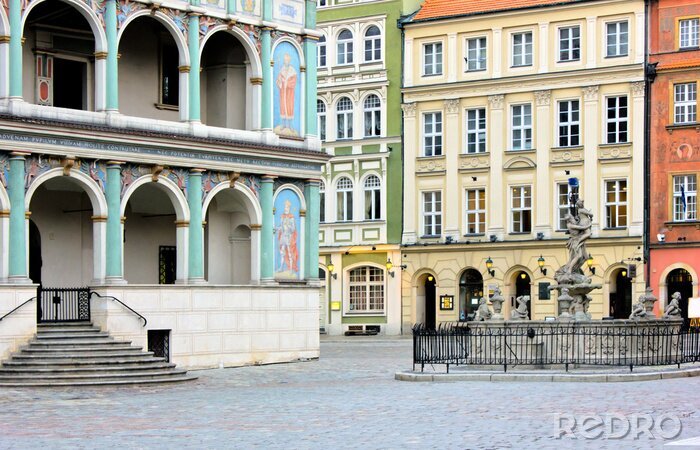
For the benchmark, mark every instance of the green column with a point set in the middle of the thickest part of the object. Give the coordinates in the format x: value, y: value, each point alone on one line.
x: 231, y: 6
x: 311, y: 95
x: 18, y: 231
x: 15, y: 48
x: 196, y: 232
x: 311, y: 229
x: 112, y: 88
x: 193, y: 44
x: 113, y: 191
x: 266, y: 55
x: 267, y: 230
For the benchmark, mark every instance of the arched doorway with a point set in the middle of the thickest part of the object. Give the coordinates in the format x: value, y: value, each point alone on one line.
x: 35, y: 261
x: 471, y: 289
x: 620, y: 295
x: 680, y: 280
x: 522, y: 287
x: 430, y: 304
x: 322, y: 306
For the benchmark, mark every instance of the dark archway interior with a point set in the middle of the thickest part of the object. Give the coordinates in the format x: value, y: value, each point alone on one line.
x: 522, y: 287
x: 680, y: 280
x: 430, y: 305
x: 621, y: 299
x: 471, y: 289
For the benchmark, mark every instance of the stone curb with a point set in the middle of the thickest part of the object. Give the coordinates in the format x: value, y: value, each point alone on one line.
x: 548, y: 377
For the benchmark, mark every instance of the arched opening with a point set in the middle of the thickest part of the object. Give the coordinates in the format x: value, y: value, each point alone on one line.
x: 322, y: 300
x: 620, y: 295
x: 150, y: 237
x: 425, y: 300
x: 522, y: 287
x: 149, y: 75
x: 229, y: 239
x: 471, y: 289
x: 61, y: 234
x: 58, y: 57
x: 224, y: 89
x: 681, y: 281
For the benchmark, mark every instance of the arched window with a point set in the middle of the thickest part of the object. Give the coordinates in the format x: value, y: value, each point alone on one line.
x: 344, y: 53
x: 366, y: 290
x: 321, y: 114
x: 373, y: 198
x: 373, y: 44
x: 471, y: 289
x: 373, y: 116
x: 321, y: 49
x: 322, y: 201
x: 344, y: 118
x: 344, y: 199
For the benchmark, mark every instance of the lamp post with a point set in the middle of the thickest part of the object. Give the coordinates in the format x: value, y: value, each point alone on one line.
x: 489, y: 267
x: 540, y: 264
x: 389, y: 265
x: 331, y: 270
x: 573, y: 197
x: 590, y: 261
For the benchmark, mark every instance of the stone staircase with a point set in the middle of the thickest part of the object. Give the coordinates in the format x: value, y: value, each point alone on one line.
x: 80, y: 354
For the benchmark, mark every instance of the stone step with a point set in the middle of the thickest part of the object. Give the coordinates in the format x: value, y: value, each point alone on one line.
x: 60, y: 330
x: 78, y: 348
x: 87, y: 369
x: 64, y: 324
x: 72, y: 335
x: 53, y: 383
x: 80, y: 355
x: 50, y: 343
x: 112, y: 375
x: 79, y: 362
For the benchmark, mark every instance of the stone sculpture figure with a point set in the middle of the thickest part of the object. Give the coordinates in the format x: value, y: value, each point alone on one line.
x: 497, y: 302
x: 673, y: 310
x: 579, y: 228
x: 520, y: 313
x: 638, y: 310
x: 483, y: 313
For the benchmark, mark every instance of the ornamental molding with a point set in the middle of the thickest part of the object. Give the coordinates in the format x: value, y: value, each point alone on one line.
x: 543, y: 98
x: 614, y: 152
x: 430, y: 165
x: 590, y: 93
x: 566, y: 156
x: 496, y: 101
x: 452, y: 106
x: 474, y: 162
x: 409, y: 109
x: 638, y: 89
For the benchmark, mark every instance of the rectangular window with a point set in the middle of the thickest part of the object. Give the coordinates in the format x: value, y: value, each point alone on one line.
x: 616, y: 204
x: 432, y: 213
x: 617, y: 38
x: 569, y: 125
x: 321, y: 49
x: 685, y: 198
x: 432, y: 58
x: 616, y: 120
x: 322, y: 204
x: 521, y: 126
x: 170, y: 75
x: 521, y: 209
x: 685, y: 98
x: 476, y: 211
x: 432, y: 134
x: 522, y: 49
x: 476, y: 54
x: 476, y: 130
x: 563, y: 193
x: 366, y: 289
x: 570, y: 43
x: 688, y: 30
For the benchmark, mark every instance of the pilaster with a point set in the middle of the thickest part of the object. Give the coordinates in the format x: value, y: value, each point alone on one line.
x: 497, y: 207
x: 543, y: 144
x: 114, y: 239
x: 589, y: 136
x: 451, y: 150
x: 543, y: 48
x: 112, y: 76
x: 15, y: 17
x: 497, y: 52
x: 411, y: 148
x: 267, y: 231
x: 193, y: 44
x: 196, y: 228
x: 311, y: 233
x: 591, y: 46
x: 18, y: 261
x: 635, y: 188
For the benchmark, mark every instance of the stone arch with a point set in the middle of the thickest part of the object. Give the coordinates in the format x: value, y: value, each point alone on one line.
x: 4, y: 199
x: 250, y: 49
x: 168, y: 23
x: 253, y: 205
x: 520, y: 162
x: 295, y: 44
x: 663, y: 287
x: 509, y: 275
x: 296, y: 191
x: 182, y: 210
x: 98, y: 30
x: 418, y: 274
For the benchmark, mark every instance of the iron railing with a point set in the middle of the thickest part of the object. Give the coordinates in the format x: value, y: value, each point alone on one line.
x: 63, y: 304
x: 542, y: 344
x: 18, y: 307
x: 145, y: 322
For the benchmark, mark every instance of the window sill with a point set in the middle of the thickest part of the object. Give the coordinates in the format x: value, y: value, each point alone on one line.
x: 522, y: 66
x: 520, y: 233
x: 683, y: 126
x: 688, y: 223
x: 688, y: 49
x: 423, y: 158
x: 431, y: 75
x: 614, y: 228
x: 573, y: 147
x: 474, y: 70
x: 165, y: 107
x: 525, y: 150
x: 613, y: 144
x: 616, y: 56
x: 430, y: 236
x: 568, y: 61
x: 363, y: 313
x: 468, y: 235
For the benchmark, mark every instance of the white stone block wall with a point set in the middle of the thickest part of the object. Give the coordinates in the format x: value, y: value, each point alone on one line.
x: 213, y: 326
x: 19, y: 327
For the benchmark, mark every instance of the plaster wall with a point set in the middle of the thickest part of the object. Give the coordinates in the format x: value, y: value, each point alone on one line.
x: 143, y: 237
x: 20, y: 326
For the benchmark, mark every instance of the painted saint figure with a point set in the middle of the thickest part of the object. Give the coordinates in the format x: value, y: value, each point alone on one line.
x: 286, y: 83
x: 287, y: 241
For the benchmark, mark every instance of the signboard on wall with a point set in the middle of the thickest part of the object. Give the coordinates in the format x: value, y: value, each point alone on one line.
x: 447, y: 302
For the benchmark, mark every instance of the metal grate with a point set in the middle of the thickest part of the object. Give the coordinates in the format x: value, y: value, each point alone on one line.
x: 159, y: 343
x: 63, y: 304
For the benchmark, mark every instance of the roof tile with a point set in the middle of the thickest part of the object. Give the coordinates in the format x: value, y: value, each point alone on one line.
x: 435, y: 9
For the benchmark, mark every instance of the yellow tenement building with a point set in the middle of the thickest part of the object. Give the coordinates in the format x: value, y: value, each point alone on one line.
x: 502, y: 105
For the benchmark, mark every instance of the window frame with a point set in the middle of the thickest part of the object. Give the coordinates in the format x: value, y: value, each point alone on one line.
x: 321, y: 119
x: 689, y: 194
x: 365, y: 284
x: 524, y: 129
x: 616, y: 203
x: 433, y: 135
x: 689, y: 107
x: 348, y: 118
x: 617, y: 34
x: 435, y: 213
x: 523, y: 188
x: 322, y: 201
x: 477, y: 132
x: 376, y: 44
x: 435, y: 64
x: 477, y: 212
x: 569, y: 123
x: 571, y: 41
x: 690, y: 21
x: 477, y: 50
x: 322, y: 52
x: 344, y: 197
x: 374, y: 113
x: 348, y: 46
x: 617, y: 120
x: 375, y: 194
x: 524, y: 45
x: 560, y: 218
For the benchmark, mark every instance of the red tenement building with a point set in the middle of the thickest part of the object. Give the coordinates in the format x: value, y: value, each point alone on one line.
x: 674, y: 225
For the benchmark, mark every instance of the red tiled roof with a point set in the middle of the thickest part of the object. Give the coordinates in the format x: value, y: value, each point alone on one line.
x: 434, y: 9
x: 684, y: 64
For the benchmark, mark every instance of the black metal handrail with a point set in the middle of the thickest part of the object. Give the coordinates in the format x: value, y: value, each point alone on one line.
x: 651, y: 343
x: 123, y: 304
x: 18, y: 307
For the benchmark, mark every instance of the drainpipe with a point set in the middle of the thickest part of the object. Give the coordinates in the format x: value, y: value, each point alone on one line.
x: 649, y: 75
x: 403, y: 173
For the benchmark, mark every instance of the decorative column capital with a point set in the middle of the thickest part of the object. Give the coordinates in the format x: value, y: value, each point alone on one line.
x: 452, y: 106
x: 638, y: 89
x: 409, y: 109
x: 197, y: 171
x: 256, y: 81
x: 268, y: 178
x: 496, y: 101
x: 543, y: 98
x: 590, y: 93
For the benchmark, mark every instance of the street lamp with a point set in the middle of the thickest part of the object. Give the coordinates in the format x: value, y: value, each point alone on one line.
x: 389, y: 265
x: 489, y: 267
x: 590, y: 261
x: 540, y: 263
x: 331, y: 270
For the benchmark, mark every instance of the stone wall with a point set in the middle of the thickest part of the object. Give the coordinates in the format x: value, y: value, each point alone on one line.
x: 17, y: 328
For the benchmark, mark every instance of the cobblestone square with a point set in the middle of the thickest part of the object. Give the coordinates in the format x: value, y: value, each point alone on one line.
x: 347, y: 399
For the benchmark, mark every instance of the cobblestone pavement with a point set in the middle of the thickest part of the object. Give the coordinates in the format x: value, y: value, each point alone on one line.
x: 347, y: 399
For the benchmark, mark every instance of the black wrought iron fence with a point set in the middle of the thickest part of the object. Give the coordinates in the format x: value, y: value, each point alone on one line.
x: 63, y: 304
x: 618, y: 343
